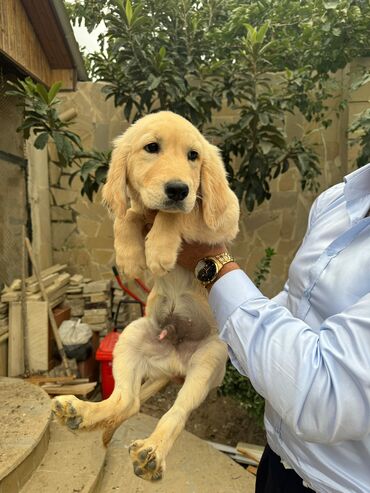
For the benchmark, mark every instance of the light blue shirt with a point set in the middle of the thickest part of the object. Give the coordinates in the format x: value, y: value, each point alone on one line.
x: 307, y: 351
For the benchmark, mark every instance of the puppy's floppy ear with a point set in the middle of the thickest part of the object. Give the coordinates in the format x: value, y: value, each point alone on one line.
x: 214, y: 187
x: 115, y: 188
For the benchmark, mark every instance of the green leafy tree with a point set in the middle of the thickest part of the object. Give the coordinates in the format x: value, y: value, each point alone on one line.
x: 40, y: 114
x: 359, y: 130
x: 193, y: 56
x: 258, y: 138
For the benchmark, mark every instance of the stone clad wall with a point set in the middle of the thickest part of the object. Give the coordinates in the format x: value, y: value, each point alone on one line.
x: 82, y: 232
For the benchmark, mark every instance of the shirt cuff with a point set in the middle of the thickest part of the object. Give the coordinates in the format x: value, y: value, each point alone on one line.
x: 229, y: 292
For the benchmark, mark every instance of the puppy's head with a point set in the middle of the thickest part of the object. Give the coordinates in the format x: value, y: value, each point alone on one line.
x: 164, y: 161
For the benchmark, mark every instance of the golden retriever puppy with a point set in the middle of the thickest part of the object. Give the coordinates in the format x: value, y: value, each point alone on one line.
x: 162, y: 163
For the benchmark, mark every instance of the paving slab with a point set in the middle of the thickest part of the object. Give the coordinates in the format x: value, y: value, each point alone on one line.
x: 24, y: 418
x: 73, y: 462
x: 193, y: 466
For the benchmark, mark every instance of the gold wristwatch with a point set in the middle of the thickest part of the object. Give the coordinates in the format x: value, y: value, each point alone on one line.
x: 207, y: 268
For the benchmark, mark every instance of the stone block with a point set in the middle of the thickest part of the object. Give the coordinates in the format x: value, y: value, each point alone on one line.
x: 60, y: 233
x: 270, y: 233
x: 103, y: 256
x: 288, y: 181
x: 63, y: 197
x: 55, y: 173
x: 61, y: 214
x: 284, y: 200
x: 88, y: 227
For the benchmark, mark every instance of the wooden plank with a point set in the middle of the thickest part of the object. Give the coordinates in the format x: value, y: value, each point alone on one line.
x: 16, y: 341
x: 79, y: 389
x: 37, y: 380
x: 4, y: 355
x: 50, y: 312
x: 38, y: 335
x: 48, y: 280
x: 252, y: 470
x: 250, y: 450
x: 37, y: 332
x: 47, y: 272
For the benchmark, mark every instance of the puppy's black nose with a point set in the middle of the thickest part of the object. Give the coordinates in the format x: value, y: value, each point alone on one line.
x: 176, y: 190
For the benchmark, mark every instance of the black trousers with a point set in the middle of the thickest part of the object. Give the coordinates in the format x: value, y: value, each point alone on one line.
x: 272, y: 477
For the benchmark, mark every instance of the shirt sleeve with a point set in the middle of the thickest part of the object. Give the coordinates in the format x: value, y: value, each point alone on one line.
x: 318, y: 382
x: 282, y: 297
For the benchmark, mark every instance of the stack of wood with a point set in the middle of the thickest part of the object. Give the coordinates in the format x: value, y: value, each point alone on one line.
x: 74, y: 296
x: 55, y: 281
x: 63, y: 385
x: 97, y: 298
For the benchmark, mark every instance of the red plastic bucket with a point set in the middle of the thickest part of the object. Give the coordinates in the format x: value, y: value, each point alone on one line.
x: 104, y: 354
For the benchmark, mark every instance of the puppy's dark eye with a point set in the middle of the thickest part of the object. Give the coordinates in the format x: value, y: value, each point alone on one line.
x: 152, y: 148
x: 192, y: 155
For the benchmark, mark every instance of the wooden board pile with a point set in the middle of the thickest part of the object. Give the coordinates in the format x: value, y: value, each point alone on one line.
x: 63, y: 385
x: 97, y: 305
x: 54, y: 279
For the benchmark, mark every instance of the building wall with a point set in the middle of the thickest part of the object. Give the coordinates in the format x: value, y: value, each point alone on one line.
x: 13, y: 212
x: 82, y: 231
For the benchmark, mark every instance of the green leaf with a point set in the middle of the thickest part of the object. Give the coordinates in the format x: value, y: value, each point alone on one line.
x: 89, y: 167
x: 53, y: 91
x: 331, y: 4
x: 41, y: 140
x: 42, y: 92
x: 266, y: 146
x: 261, y: 33
x: 129, y: 12
x: 155, y: 83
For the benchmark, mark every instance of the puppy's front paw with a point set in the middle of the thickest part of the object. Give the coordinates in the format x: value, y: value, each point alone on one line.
x: 160, y: 262
x: 131, y: 261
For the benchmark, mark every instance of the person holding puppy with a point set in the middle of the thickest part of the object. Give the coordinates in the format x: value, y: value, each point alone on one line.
x: 306, y: 351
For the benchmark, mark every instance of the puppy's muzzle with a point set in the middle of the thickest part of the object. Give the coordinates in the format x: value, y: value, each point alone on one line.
x: 176, y: 190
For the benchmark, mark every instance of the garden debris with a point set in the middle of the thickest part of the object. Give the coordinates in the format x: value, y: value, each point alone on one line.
x: 250, y: 450
x: 233, y: 453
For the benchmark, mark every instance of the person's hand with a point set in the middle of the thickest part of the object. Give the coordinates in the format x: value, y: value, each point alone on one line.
x: 191, y: 253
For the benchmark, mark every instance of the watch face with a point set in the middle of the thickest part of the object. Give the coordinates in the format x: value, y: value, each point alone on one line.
x: 206, y: 270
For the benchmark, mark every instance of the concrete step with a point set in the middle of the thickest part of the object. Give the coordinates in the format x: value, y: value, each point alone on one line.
x: 24, y: 431
x: 73, y: 463
x: 193, y: 466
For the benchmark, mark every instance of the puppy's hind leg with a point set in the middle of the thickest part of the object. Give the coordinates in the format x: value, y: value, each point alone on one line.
x: 149, y: 388
x: 129, y: 367
x: 206, y: 371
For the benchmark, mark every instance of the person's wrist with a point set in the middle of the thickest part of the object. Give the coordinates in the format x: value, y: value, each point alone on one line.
x: 225, y: 269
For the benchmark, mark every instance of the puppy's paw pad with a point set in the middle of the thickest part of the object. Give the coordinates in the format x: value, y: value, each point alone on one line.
x: 66, y: 409
x: 146, y: 462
